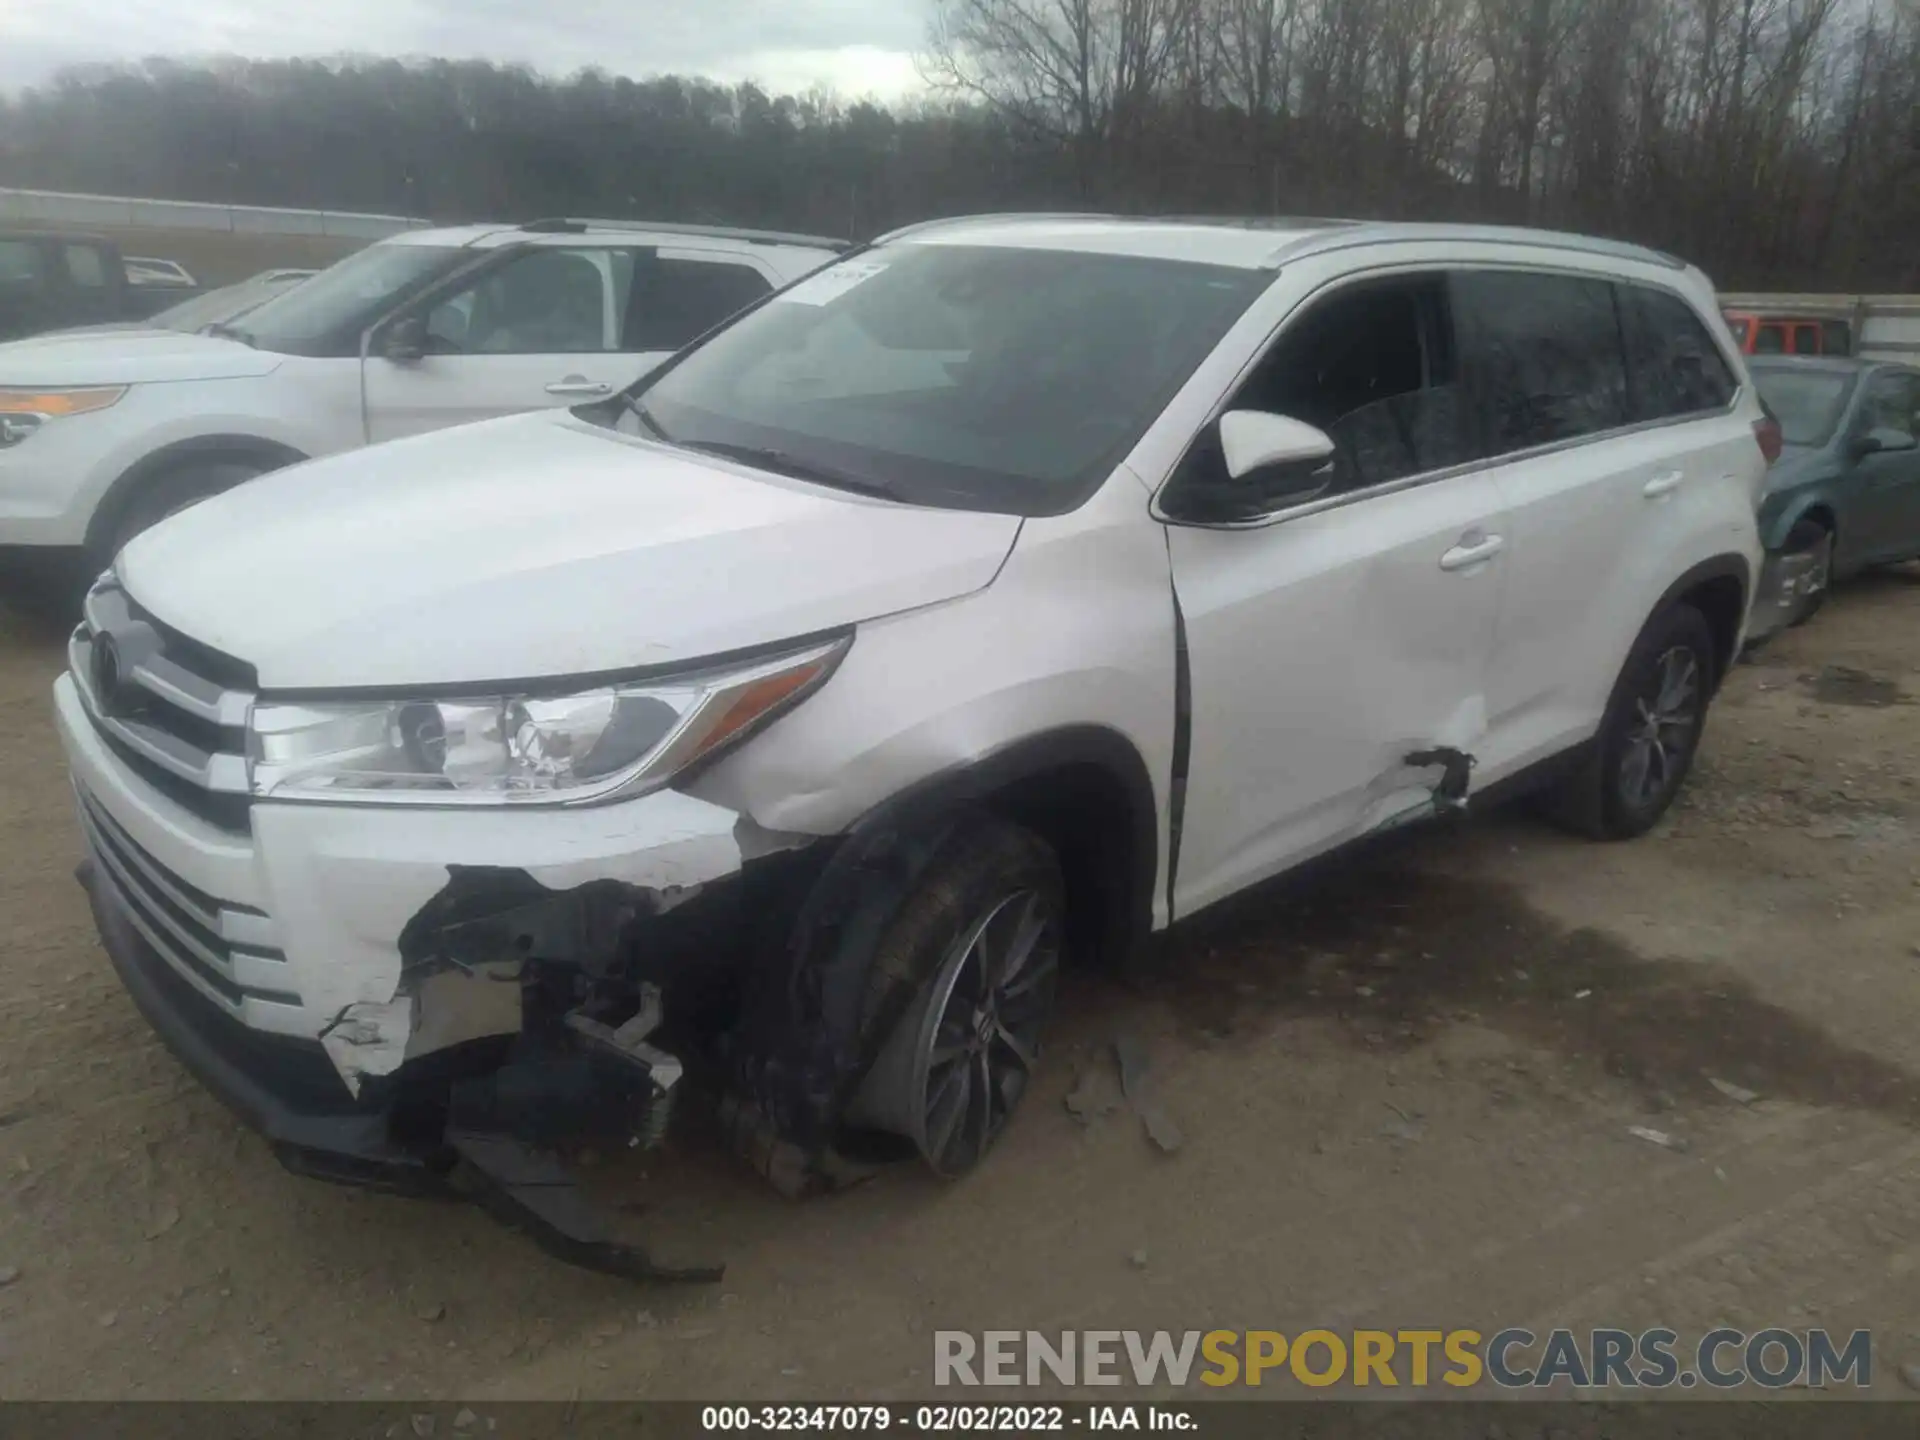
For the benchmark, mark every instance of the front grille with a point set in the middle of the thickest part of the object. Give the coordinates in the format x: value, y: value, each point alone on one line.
x: 173, y: 710
x: 229, y: 953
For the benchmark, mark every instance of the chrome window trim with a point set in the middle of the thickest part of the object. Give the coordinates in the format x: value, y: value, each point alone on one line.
x: 1470, y: 467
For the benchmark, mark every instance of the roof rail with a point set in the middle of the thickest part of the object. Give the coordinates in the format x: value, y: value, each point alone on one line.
x: 1385, y: 232
x: 922, y: 226
x: 570, y: 225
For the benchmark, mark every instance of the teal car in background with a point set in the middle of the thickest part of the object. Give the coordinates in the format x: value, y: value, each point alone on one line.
x: 1845, y: 493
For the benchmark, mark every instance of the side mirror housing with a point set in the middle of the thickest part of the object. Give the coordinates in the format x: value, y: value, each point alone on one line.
x: 1295, y: 459
x: 405, y: 340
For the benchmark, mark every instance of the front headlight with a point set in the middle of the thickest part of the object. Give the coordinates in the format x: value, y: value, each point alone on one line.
x: 24, y: 411
x: 529, y: 748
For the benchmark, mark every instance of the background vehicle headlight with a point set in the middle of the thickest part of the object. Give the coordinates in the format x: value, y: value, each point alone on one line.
x: 528, y: 748
x: 22, y: 412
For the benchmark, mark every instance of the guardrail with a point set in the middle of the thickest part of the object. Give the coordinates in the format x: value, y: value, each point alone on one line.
x: 53, y: 207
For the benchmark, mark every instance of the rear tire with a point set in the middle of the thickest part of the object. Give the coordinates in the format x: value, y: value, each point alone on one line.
x: 1647, y: 740
x: 168, y: 494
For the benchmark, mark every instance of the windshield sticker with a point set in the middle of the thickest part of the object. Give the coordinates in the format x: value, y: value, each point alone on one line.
x: 833, y: 282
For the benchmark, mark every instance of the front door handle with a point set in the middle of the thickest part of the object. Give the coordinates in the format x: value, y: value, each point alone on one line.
x: 1472, y: 552
x: 579, y: 385
x: 1663, y: 484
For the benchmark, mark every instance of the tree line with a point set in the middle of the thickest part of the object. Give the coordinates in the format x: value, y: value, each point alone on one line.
x: 1774, y: 142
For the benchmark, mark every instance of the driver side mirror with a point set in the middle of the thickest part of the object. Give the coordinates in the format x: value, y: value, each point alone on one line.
x: 1297, y: 460
x: 405, y: 340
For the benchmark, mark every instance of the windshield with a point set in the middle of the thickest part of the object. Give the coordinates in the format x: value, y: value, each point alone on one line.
x: 1807, y: 403
x: 968, y: 377
x: 327, y: 314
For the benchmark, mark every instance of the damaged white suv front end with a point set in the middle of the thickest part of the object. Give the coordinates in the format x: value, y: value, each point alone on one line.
x: 998, y: 595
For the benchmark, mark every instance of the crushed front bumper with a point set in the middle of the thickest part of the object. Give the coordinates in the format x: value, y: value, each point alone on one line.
x: 439, y: 1138
x: 1788, y: 583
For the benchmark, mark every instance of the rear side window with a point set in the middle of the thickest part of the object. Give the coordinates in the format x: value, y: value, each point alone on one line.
x: 1806, y: 340
x: 1673, y: 365
x: 1543, y: 357
x: 1893, y: 403
x: 1772, y: 340
x: 674, y: 301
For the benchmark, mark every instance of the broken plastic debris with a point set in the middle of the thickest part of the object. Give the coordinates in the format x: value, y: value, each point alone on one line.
x: 1093, y: 1096
x: 1657, y: 1137
x: 1136, y: 1084
x: 1739, y: 1094
x: 1581, y: 994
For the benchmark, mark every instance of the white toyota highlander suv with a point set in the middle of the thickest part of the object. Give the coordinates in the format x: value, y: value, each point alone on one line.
x: 1008, y: 590
x: 103, y: 433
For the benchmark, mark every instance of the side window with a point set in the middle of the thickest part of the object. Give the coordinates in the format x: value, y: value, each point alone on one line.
x: 546, y: 302
x: 1891, y: 402
x: 672, y: 300
x: 1675, y: 367
x: 85, y: 267
x: 19, y: 262
x: 1543, y: 356
x: 1806, y: 340
x: 1836, y: 337
x: 1373, y: 366
x: 1772, y: 340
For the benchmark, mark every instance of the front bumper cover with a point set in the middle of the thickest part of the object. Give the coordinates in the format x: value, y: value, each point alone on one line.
x: 458, y: 1148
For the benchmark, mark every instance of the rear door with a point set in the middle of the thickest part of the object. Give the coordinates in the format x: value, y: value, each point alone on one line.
x: 1885, y: 523
x: 1604, y: 405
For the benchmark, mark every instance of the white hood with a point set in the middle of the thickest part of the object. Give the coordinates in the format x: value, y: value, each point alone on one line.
x: 533, y: 546
x: 127, y: 357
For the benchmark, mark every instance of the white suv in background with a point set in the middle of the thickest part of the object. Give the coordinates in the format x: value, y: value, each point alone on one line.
x: 103, y: 433
x: 1004, y: 592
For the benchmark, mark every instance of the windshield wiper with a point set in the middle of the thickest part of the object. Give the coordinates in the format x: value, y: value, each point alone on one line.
x: 782, y: 463
x: 225, y: 330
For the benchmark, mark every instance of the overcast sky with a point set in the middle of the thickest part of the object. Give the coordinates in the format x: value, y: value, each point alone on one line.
x: 857, y: 46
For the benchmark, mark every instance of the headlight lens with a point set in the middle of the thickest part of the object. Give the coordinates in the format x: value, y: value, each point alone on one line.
x: 51, y: 404
x: 494, y: 749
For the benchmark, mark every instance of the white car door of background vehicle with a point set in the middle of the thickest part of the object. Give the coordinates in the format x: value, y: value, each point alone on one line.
x: 554, y: 326
x: 1327, y: 646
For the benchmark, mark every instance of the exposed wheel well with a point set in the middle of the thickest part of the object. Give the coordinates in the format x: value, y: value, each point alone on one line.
x: 1823, y: 516
x: 268, y: 454
x: 1087, y: 814
x: 1723, y: 600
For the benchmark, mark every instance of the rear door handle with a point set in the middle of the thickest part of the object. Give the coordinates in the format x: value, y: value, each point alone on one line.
x: 579, y: 385
x: 1472, y: 552
x: 1663, y: 484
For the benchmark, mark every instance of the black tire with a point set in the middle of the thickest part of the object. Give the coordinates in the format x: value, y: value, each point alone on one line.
x: 991, y: 885
x: 168, y: 493
x: 1811, y: 537
x: 1602, y: 799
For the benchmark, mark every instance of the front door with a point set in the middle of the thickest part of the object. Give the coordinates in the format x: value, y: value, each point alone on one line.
x: 540, y: 330
x: 555, y: 326
x: 1330, y: 643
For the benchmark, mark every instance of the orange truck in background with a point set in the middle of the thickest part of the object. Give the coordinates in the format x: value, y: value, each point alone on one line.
x: 1875, y: 327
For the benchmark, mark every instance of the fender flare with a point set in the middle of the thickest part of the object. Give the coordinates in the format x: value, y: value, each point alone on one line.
x: 1719, y: 567
x: 270, y: 454
x: 1813, y: 499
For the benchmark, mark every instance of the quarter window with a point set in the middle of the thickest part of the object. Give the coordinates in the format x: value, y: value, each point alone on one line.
x: 1544, y: 357
x: 1675, y: 367
x: 85, y: 267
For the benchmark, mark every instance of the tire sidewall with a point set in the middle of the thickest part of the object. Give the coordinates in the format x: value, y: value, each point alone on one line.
x: 1680, y: 625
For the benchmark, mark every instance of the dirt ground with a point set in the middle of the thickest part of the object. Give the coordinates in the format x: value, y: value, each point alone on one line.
x: 1405, y: 1090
